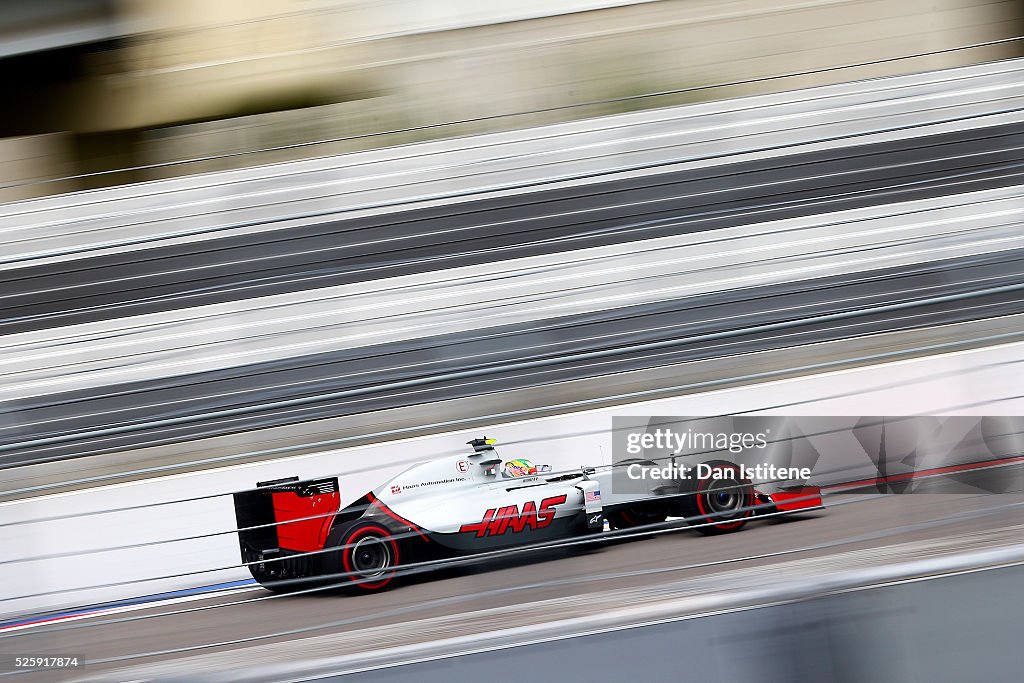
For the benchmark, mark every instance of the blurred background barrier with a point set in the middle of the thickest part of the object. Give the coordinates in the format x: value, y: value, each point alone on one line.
x: 131, y: 84
x: 325, y: 190
x: 323, y: 320
x: 350, y: 326
x: 504, y: 293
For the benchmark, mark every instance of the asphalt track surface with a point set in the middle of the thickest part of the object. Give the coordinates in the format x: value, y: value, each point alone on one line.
x: 433, y: 369
x: 853, y: 522
x: 422, y: 240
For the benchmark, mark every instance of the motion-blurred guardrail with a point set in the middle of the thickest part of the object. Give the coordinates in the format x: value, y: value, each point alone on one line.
x: 503, y: 293
x: 286, y: 195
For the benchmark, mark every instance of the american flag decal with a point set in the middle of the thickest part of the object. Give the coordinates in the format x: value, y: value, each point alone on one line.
x: 592, y: 496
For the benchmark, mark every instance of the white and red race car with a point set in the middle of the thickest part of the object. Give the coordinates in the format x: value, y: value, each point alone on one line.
x: 294, y: 533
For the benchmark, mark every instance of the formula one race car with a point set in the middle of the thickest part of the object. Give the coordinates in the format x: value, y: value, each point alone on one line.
x: 294, y: 533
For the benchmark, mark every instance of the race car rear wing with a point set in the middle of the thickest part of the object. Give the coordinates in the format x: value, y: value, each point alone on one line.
x: 285, y: 514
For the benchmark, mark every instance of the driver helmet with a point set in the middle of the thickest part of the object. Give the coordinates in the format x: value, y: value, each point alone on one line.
x: 520, y: 467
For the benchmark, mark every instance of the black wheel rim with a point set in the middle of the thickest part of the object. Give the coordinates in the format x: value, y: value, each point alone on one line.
x: 724, y: 499
x: 371, y: 557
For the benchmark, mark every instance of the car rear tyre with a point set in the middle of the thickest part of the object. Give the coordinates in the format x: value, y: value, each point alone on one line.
x: 369, y: 556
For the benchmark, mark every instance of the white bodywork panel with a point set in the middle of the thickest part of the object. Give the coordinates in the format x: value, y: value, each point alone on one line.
x: 443, y: 495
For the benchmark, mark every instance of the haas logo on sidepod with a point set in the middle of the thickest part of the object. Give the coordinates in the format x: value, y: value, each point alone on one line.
x: 497, y: 521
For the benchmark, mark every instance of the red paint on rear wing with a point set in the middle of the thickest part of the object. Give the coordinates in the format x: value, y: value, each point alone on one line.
x: 286, y: 514
x: 304, y: 522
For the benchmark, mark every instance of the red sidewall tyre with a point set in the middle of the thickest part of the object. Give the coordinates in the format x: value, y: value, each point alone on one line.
x: 702, y: 507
